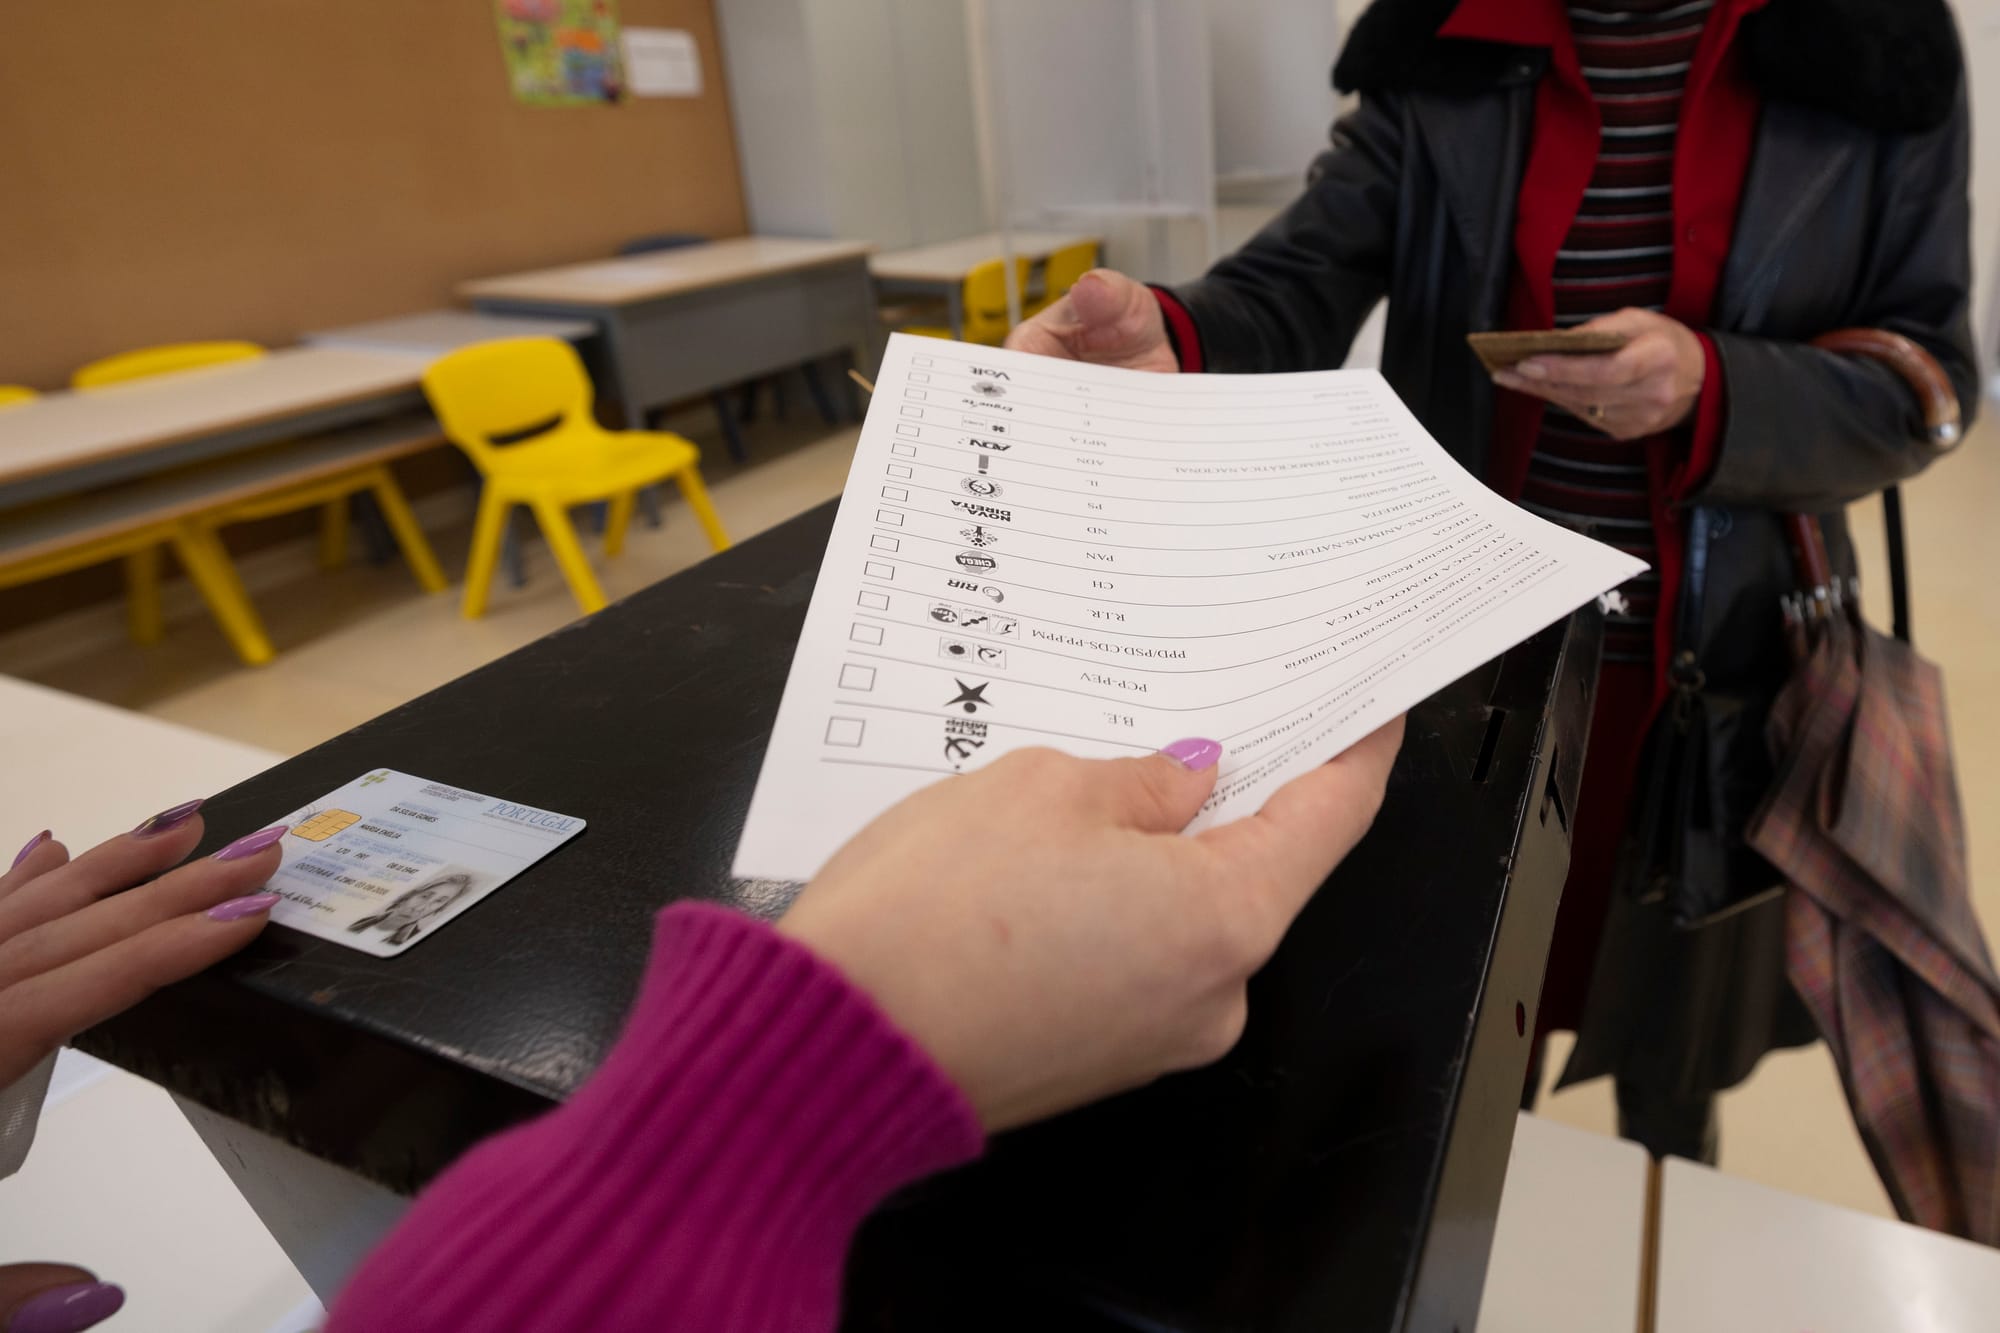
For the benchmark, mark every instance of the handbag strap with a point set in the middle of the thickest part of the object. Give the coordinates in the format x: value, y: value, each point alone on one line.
x: 1943, y: 428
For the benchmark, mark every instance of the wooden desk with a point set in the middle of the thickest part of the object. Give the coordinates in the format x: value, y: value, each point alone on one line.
x: 432, y: 333
x: 67, y: 442
x: 937, y: 272
x: 44, y: 529
x: 684, y: 322
x: 1739, y: 1257
x: 1571, y: 1238
x: 1342, y: 1168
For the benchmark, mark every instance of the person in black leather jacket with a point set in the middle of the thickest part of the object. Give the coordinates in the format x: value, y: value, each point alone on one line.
x: 1852, y: 212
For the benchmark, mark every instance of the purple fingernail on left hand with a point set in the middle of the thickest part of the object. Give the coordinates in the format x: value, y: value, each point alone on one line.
x: 251, y: 844
x: 78, y: 1306
x: 29, y: 850
x: 238, y: 908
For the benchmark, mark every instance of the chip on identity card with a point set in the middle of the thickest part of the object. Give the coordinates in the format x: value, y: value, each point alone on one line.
x: 390, y: 859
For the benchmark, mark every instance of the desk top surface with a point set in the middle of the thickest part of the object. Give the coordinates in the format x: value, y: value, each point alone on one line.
x: 949, y: 261
x: 100, y: 770
x: 1571, y: 1235
x: 73, y: 428
x: 660, y: 273
x: 1298, y: 1178
x: 1740, y: 1257
x: 435, y: 332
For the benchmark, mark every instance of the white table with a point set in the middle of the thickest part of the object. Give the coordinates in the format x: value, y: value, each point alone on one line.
x: 66, y: 442
x: 118, y: 1181
x: 1571, y: 1237
x: 432, y: 333
x: 1739, y: 1257
x: 938, y: 271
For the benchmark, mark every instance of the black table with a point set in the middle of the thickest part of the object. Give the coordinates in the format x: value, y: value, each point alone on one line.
x: 1340, y: 1170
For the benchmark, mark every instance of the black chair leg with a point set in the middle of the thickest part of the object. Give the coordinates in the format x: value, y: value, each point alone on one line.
x: 856, y: 409
x: 375, y: 533
x: 817, y: 388
x: 731, y: 435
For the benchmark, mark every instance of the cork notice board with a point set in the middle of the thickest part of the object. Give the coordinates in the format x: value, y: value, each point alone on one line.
x: 260, y: 168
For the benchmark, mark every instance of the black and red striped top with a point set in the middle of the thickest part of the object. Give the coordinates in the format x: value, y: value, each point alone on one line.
x: 1619, y: 253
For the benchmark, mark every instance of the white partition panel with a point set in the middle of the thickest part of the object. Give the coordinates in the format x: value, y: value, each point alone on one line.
x: 1100, y: 115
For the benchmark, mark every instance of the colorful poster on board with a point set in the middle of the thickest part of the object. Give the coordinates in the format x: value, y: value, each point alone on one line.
x: 562, y: 52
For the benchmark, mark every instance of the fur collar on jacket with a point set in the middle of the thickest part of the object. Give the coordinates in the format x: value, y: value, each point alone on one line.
x: 1887, y: 65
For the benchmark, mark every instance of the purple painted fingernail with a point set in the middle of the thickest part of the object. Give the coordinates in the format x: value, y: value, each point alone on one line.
x: 67, y: 1309
x: 238, y: 908
x: 1194, y: 754
x: 251, y: 844
x: 33, y: 843
x: 167, y: 819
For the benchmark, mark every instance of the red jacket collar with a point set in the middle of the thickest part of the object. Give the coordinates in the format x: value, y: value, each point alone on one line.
x: 1532, y: 22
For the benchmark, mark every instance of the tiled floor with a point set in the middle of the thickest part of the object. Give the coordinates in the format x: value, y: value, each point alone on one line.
x: 355, y: 644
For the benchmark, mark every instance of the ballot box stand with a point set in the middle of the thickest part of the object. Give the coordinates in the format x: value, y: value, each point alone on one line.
x: 1341, y: 1168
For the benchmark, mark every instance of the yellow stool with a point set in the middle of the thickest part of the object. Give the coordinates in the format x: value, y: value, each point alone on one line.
x: 1060, y: 274
x: 497, y: 390
x: 984, y: 305
x: 13, y: 395
x: 198, y: 542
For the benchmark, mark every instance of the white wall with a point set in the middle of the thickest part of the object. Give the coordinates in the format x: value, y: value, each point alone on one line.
x: 1979, y: 24
x: 772, y: 104
x: 1273, y: 61
x: 853, y: 118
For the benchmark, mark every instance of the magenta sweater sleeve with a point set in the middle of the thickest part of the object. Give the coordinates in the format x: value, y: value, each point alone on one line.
x: 709, y: 1176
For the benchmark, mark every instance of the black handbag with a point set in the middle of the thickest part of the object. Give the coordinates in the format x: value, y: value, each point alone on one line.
x: 1706, y: 766
x: 1704, y: 770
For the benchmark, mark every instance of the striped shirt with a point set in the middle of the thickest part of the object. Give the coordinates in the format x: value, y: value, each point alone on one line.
x: 1619, y: 252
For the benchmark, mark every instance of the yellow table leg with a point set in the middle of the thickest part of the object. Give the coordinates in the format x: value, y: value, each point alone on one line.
x: 207, y: 562
x: 142, y: 596
x: 569, y: 556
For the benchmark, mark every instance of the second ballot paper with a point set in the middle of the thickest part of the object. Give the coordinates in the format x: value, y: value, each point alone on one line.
x: 1038, y: 552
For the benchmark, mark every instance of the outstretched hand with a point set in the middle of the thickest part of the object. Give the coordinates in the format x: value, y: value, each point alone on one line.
x: 1107, y: 318
x: 1088, y: 946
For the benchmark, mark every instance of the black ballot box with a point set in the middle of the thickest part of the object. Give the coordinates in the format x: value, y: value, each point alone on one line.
x: 1340, y: 1169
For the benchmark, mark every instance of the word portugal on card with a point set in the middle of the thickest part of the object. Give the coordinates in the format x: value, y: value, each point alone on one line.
x: 1040, y: 552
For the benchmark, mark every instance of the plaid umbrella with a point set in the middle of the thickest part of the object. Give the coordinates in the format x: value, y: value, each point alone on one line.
x: 1880, y: 939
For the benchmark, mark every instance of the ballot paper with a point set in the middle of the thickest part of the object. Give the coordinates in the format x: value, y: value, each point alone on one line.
x: 390, y: 859
x: 1038, y: 552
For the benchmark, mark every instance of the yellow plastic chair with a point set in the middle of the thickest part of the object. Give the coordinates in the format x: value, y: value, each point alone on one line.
x: 197, y: 540
x: 1061, y: 272
x: 149, y: 361
x: 13, y: 395
x: 985, y: 304
x: 497, y: 390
